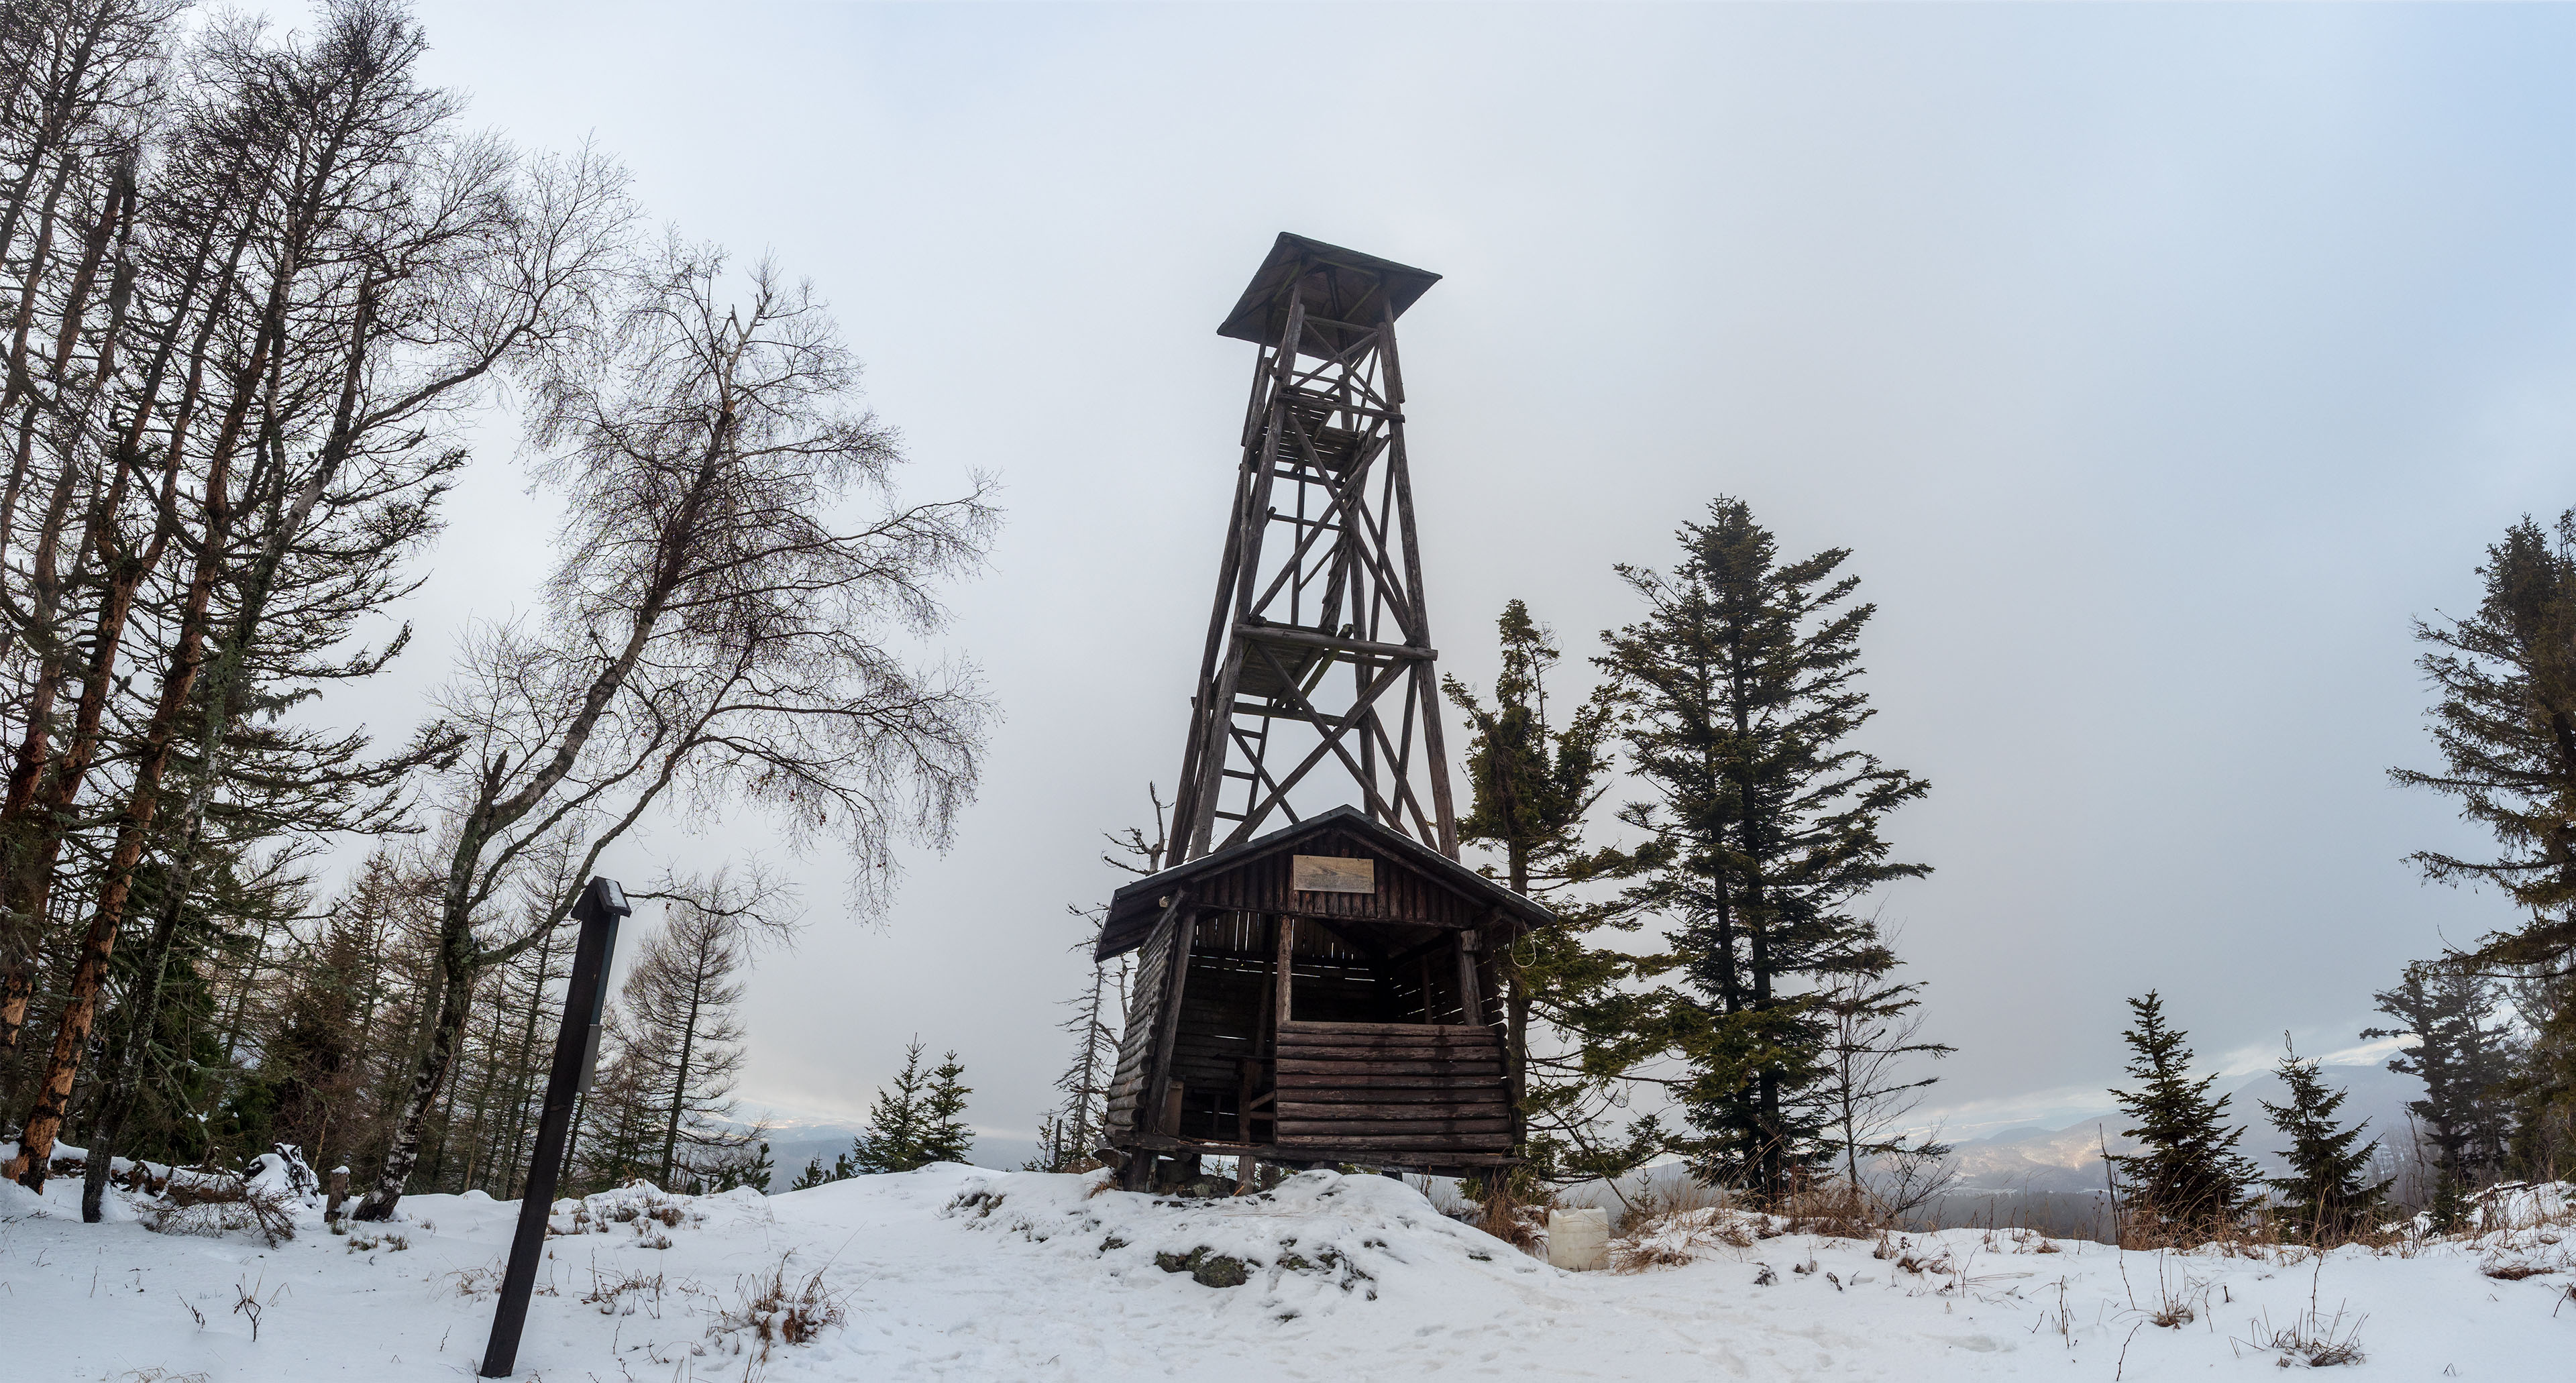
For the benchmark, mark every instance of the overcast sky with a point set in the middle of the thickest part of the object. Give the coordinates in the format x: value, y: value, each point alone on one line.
x: 2157, y: 365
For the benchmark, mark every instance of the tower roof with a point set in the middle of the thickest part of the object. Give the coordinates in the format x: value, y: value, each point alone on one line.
x: 1339, y: 286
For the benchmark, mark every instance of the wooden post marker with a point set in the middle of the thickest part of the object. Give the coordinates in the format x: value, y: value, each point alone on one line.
x: 339, y: 1193
x: 602, y: 904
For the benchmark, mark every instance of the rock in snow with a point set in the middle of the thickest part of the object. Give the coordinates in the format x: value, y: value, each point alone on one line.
x: 957, y: 1273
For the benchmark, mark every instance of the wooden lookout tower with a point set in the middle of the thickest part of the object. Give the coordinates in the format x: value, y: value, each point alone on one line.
x: 1324, y: 990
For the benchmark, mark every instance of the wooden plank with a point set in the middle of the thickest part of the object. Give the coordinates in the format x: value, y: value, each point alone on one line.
x: 1434, y: 1100
x: 1383, y: 1029
x: 1420, y: 1130
x: 1480, y: 1094
x: 1362, y: 1060
x: 1302, y: 1113
x: 1339, y: 1080
x: 1433, y: 1034
x: 1455, y: 1142
x: 1333, y: 643
x: 1327, y: 1048
x: 1490, y: 1070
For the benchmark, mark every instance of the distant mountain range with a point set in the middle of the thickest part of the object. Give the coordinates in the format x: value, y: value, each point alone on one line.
x: 2070, y: 1158
x: 794, y: 1141
x: 2067, y: 1159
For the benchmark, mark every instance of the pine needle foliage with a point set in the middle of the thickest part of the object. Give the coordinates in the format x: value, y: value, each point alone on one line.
x: 1530, y: 781
x: 917, y: 1120
x: 2187, y: 1171
x: 2465, y: 1058
x: 2506, y: 730
x: 2327, y: 1194
x: 2505, y: 726
x: 816, y: 1174
x: 1739, y: 696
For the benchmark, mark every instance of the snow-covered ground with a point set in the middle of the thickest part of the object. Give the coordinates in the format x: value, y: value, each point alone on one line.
x: 956, y: 1273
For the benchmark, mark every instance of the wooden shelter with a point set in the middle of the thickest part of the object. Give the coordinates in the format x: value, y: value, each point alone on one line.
x: 1326, y: 993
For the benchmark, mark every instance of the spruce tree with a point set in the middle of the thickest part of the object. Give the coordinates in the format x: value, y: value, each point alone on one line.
x: 2326, y: 1194
x: 2187, y: 1171
x: 945, y: 1134
x: 919, y: 1120
x: 893, y: 1140
x: 2505, y: 726
x: 812, y: 1176
x: 744, y: 1167
x: 1739, y: 696
x: 1530, y: 781
x: 2542, y: 1088
x: 2465, y: 1059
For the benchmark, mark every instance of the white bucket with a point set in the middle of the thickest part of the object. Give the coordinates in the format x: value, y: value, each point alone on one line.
x: 1578, y: 1240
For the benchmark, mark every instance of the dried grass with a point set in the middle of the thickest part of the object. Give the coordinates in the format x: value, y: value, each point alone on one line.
x: 213, y: 1208
x: 776, y: 1309
x: 1517, y: 1217
x: 2316, y: 1341
x: 1833, y: 1210
x: 1681, y: 1226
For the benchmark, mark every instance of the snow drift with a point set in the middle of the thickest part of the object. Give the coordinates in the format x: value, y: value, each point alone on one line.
x: 958, y: 1273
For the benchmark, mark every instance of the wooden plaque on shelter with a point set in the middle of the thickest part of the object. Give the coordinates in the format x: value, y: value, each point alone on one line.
x: 1331, y: 874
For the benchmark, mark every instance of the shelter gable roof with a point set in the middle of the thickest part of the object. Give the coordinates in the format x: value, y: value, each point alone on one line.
x: 1133, y: 909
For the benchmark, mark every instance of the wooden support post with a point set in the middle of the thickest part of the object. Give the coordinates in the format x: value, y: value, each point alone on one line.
x: 1243, y: 1099
x: 339, y: 1194
x: 1426, y: 685
x: 1471, y: 1008
x: 1283, y: 1006
x: 1168, y: 1022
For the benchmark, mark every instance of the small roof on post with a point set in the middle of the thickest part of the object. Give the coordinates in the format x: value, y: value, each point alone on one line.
x: 1256, y: 877
x: 1340, y: 286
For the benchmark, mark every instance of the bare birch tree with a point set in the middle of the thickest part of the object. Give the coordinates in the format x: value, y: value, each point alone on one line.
x: 719, y: 631
x: 1872, y: 1033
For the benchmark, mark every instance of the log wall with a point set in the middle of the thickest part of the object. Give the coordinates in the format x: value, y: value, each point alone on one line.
x: 1410, y: 1091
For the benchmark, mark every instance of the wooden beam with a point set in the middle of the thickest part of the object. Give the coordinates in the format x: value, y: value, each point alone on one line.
x: 1427, y: 687
x: 1358, y: 712
x: 1375, y: 954
x: 1308, y: 712
x: 1470, y: 1003
x: 1262, y: 632
x: 1151, y: 1103
x: 1282, y: 1009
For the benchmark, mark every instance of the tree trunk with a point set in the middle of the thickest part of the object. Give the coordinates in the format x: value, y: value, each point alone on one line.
x: 143, y: 800
x: 680, y: 1077
x: 456, y: 984
x: 134, y: 1050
